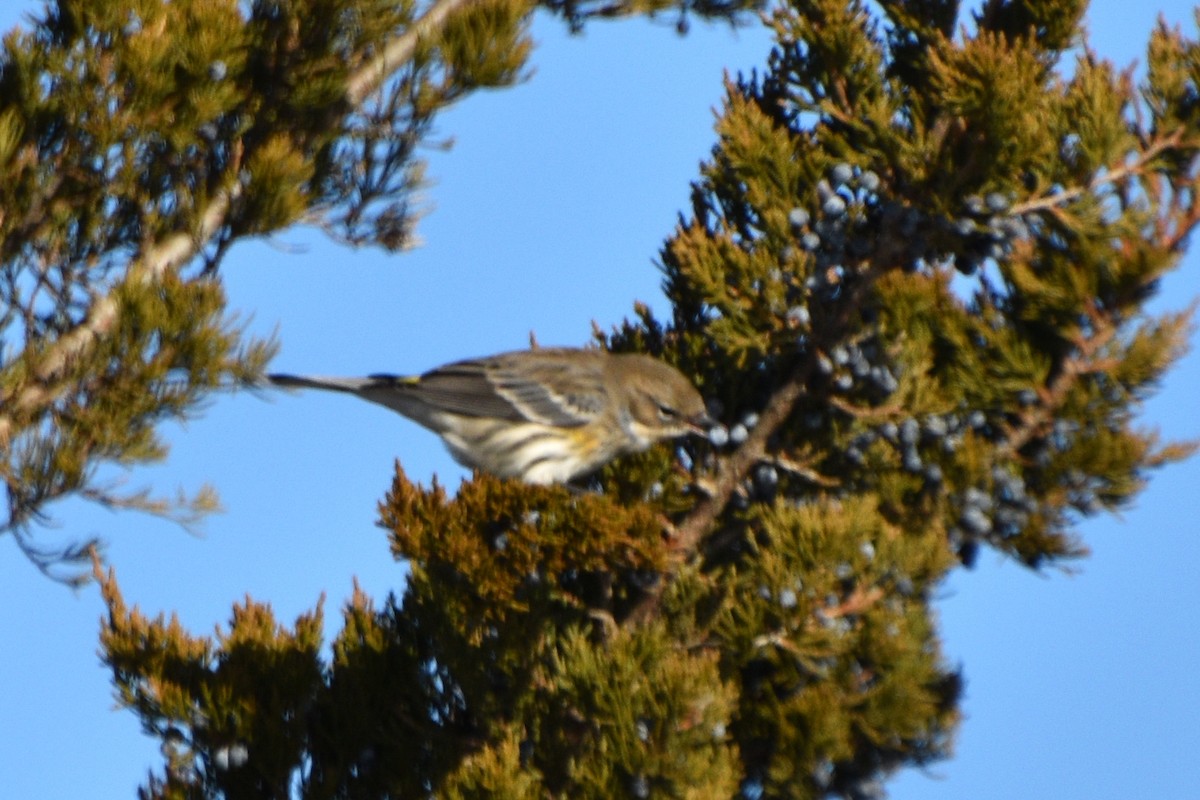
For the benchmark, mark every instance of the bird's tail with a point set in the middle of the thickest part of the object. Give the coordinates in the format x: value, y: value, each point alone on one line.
x: 392, y: 391
x: 351, y: 385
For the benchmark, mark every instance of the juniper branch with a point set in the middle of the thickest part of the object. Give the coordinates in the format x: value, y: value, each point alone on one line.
x: 48, y: 380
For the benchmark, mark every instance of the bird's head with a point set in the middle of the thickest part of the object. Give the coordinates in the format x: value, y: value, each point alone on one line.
x: 660, y: 401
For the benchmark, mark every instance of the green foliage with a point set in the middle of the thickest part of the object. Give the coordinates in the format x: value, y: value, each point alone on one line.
x: 827, y: 626
x: 496, y: 771
x: 508, y: 542
x: 642, y: 715
x: 928, y: 269
x: 500, y: 631
x: 913, y: 284
x: 1055, y: 25
x: 165, y: 345
x: 207, y: 698
x: 484, y: 47
x: 577, y: 12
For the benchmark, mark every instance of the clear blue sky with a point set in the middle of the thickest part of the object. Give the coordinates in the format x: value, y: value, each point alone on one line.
x: 547, y: 215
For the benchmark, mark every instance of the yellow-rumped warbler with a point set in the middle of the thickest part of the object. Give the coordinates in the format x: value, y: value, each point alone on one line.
x: 543, y: 416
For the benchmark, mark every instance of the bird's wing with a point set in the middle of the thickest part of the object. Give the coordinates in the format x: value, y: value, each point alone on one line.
x: 517, y: 389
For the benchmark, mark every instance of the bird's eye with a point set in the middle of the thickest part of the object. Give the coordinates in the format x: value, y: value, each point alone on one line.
x: 666, y: 413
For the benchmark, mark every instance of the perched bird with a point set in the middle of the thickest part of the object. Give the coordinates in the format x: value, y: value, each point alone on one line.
x: 544, y: 416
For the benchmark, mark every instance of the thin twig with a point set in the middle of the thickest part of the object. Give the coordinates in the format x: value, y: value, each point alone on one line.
x: 1073, y: 367
x: 1138, y: 165
x: 730, y: 473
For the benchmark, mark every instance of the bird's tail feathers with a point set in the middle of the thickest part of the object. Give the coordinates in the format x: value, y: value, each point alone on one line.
x: 392, y: 391
x: 350, y: 385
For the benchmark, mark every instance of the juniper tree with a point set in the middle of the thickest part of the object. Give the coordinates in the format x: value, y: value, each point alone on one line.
x: 913, y: 281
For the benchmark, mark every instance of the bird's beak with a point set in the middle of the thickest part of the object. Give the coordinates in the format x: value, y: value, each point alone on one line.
x: 701, y: 423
